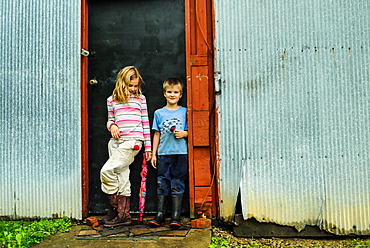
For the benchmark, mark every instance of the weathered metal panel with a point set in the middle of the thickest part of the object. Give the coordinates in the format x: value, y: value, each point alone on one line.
x: 40, y: 156
x: 294, y: 112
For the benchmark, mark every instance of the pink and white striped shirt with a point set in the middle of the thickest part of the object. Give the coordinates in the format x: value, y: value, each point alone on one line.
x: 131, y: 118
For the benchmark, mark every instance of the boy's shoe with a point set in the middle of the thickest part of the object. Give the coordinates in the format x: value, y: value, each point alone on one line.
x: 175, y: 224
x: 155, y: 223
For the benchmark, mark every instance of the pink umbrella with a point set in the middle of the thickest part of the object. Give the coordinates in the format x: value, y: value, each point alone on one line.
x: 142, y: 193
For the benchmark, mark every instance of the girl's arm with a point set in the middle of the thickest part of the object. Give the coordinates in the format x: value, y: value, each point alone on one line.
x: 146, y: 129
x: 114, y: 130
x: 112, y: 127
x: 111, y: 119
x: 155, y: 148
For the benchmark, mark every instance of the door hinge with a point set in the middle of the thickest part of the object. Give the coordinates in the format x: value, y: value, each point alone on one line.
x: 217, y: 82
x: 84, y: 52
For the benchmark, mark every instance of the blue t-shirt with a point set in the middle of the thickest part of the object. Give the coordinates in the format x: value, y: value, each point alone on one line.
x: 165, y: 121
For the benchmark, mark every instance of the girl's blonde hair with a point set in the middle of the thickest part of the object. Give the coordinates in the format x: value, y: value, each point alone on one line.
x: 125, y: 75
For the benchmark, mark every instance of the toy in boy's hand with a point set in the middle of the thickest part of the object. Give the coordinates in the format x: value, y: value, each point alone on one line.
x: 172, y: 128
x: 136, y: 147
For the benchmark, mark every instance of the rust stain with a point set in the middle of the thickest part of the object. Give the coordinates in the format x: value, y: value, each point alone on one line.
x: 200, y: 76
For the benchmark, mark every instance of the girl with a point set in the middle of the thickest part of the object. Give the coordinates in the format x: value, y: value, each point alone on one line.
x: 128, y: 124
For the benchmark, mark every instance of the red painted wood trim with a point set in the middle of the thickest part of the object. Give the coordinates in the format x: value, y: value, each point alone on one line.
x: 199, y: 60
x: 215, y: 158
x: 84, y: 111
x: 189, y: 24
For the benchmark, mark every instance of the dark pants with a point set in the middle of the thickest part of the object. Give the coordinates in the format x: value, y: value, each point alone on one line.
x: 172, y: 173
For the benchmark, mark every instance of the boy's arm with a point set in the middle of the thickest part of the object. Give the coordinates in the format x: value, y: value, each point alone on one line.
x: 181, y: 134
x: 156, y: 137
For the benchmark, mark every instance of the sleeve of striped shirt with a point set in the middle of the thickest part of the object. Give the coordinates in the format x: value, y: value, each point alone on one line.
x: 146, y: 125
x: 110, y: 113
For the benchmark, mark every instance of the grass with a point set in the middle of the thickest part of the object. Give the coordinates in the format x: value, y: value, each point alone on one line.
x: 218, y: 242
x: 360, y: 243
x: 25, y: 233
x: 221, y: 238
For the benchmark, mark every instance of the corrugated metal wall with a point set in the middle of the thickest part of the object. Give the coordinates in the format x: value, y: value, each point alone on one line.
x: 294, y: 112
x: 40, y: 156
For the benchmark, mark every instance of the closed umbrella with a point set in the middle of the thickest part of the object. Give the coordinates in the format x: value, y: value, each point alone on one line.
x: 142, y: 193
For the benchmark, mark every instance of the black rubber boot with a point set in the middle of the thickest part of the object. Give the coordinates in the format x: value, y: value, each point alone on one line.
x: 161, y: 212
x: 176, y: 211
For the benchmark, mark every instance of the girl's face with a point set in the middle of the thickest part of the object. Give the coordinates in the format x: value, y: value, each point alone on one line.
x: 133, y: 85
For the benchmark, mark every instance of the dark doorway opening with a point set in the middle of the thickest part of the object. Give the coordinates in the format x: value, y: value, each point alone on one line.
x: 151, y: 36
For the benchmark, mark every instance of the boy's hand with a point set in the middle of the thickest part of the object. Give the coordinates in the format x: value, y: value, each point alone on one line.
x: 114, y: 130
x: 154, y: 161
x: 180, y: 134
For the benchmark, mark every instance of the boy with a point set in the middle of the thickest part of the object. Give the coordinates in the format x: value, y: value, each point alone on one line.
x: 169, y: 141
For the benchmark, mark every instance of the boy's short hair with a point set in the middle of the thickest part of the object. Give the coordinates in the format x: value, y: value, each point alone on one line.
x: 172, y: 82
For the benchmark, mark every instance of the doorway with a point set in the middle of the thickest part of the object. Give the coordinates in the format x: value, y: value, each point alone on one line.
x: 151, y: 36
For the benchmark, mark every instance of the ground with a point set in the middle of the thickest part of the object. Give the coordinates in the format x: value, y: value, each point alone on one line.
x: 286, y: 242
x: 199, y: 238
x: 142, y: 236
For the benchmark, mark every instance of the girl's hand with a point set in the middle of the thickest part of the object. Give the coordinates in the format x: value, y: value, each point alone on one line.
x: 180, y: 134
x: 154, y: 161
x: 148, y: 156
x: 114, y: 130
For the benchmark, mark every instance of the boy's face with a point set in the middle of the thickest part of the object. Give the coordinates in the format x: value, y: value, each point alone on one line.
x: 173, y: 94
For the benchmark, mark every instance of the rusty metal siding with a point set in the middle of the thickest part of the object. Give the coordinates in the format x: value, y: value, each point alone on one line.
x: 295, y: 87
x: 40, y: 154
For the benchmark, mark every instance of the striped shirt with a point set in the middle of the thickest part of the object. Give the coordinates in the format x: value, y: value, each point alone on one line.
x: 131, y: 118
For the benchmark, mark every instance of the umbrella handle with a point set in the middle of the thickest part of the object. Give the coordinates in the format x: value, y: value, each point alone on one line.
x: 144, y: 158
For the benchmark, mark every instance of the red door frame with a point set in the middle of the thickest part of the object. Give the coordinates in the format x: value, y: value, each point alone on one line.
x: 201, y: 112
x: 199, y: 74
x: 84, y: 111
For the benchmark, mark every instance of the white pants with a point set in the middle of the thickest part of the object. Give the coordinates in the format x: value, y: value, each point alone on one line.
x: 115, y: 174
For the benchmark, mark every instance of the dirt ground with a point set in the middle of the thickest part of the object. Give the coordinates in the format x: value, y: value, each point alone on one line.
x: 199, y: 238
x: 286, y: 242
x: 195, y: 238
